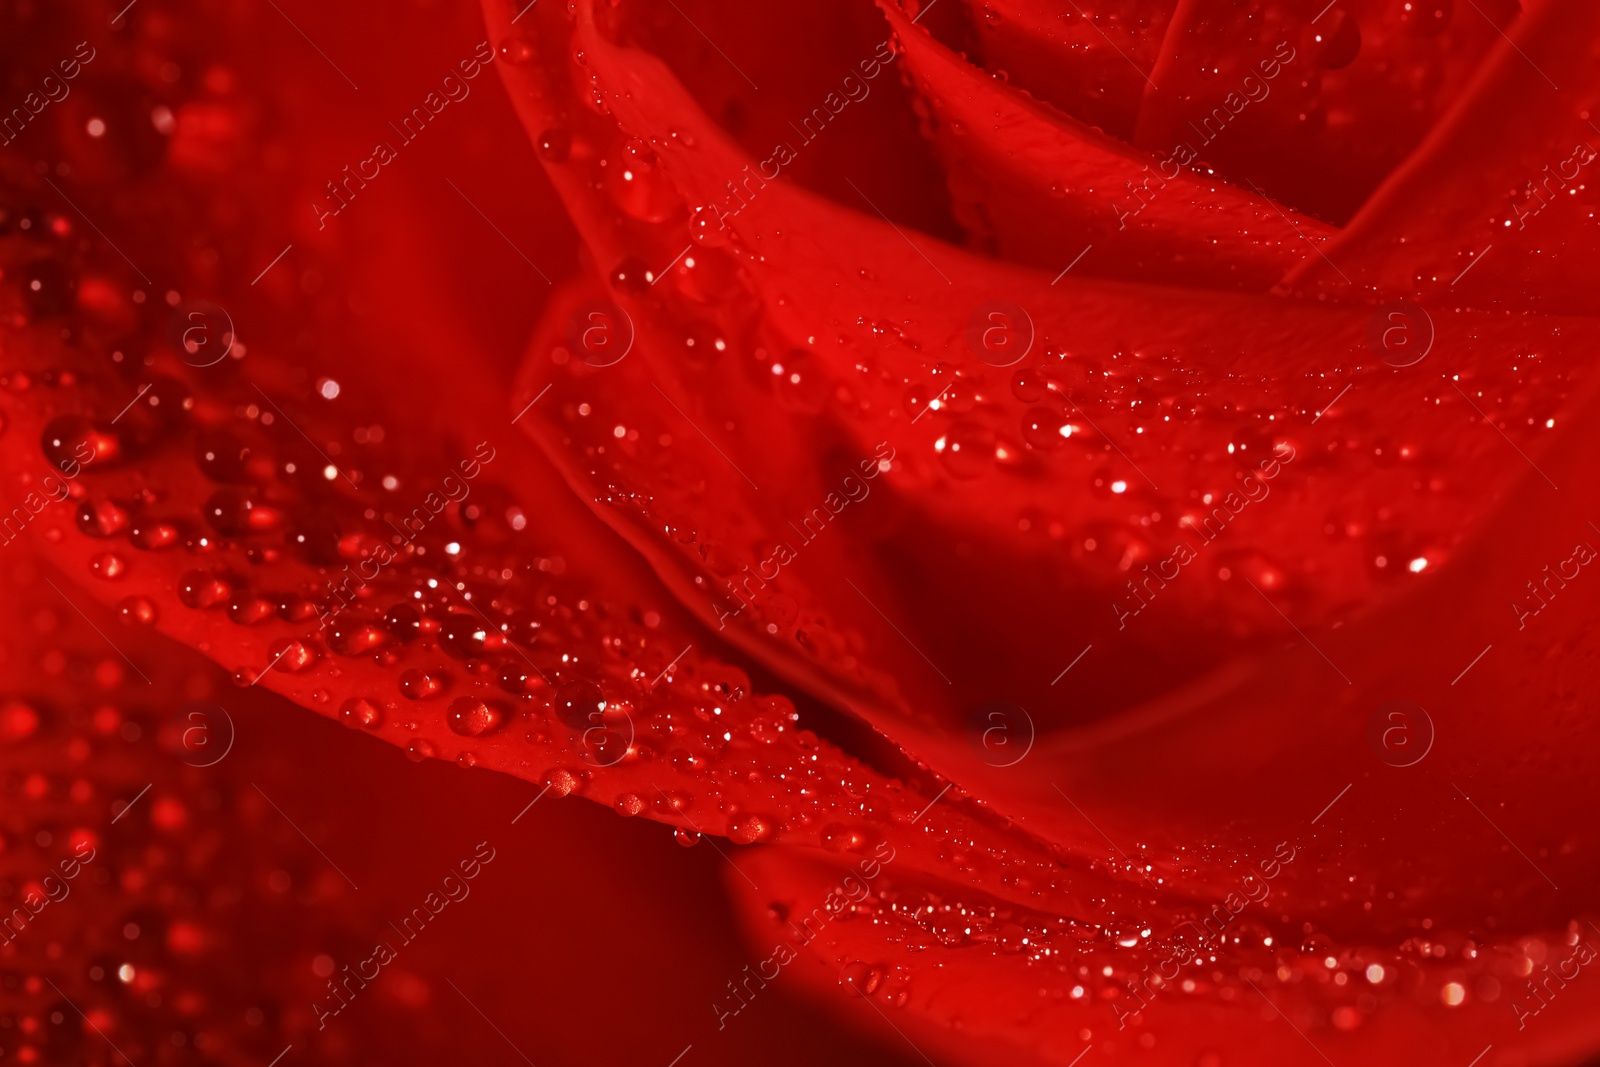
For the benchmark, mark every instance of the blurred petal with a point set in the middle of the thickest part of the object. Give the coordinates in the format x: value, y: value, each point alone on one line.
x: 334, y: 513
x: 1041, y: 186
x: 901, y: 629
x: 957, y: 978
x: 1314, y: 103
x: 1092, y: 60
x: 1497, y: 208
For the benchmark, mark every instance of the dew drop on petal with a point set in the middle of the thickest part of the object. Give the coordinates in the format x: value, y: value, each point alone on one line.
x: 108, y: 565
x: 473, y: 717
x: 418, y: 684
x: 137, y: 611
x: 361, y: 713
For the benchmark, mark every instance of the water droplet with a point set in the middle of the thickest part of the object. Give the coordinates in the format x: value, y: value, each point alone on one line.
x: 72, y: 442
x: 748, y: 829
x: 463, y: 636
x: 554, y: 145
x: 517, y: 677
x: 137, y: 610
x: 205, y: 589
x: 1045, y: 429
x: 1027, y: 384
x: 361, y: 713
x: 864, y: 978
x: 108, y: 565
x: 631, y: 276
x: 101, y: 518
x: 707, y: 275
x: 837, y: 837
x: 153, y: 535
x: 293, y: 656
x: 422, y: 685
x: 404, y: 621
x: 579, y: 704
x: 967, y: 450
x: 234, y: 511
x: 248, y: 609
x: 562, y: 782
x: 353, y: 636
x: 707, y: 228
x: 474, y: 717
x: 642, y: 191
x: 295, y: 608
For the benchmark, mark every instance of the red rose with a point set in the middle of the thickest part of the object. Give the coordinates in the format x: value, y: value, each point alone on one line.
x: 1085, y: 503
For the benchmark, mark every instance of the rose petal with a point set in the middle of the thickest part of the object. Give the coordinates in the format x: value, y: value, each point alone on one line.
x: 962, y: 979
x: 926, y: 605
x: 1312, y: 103
x: 1042, y: 186
x: 428, y: 617
x: 213, y: 912
x: 1091, y: 61
x: 1511, y: 228
x: 327, y: 515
